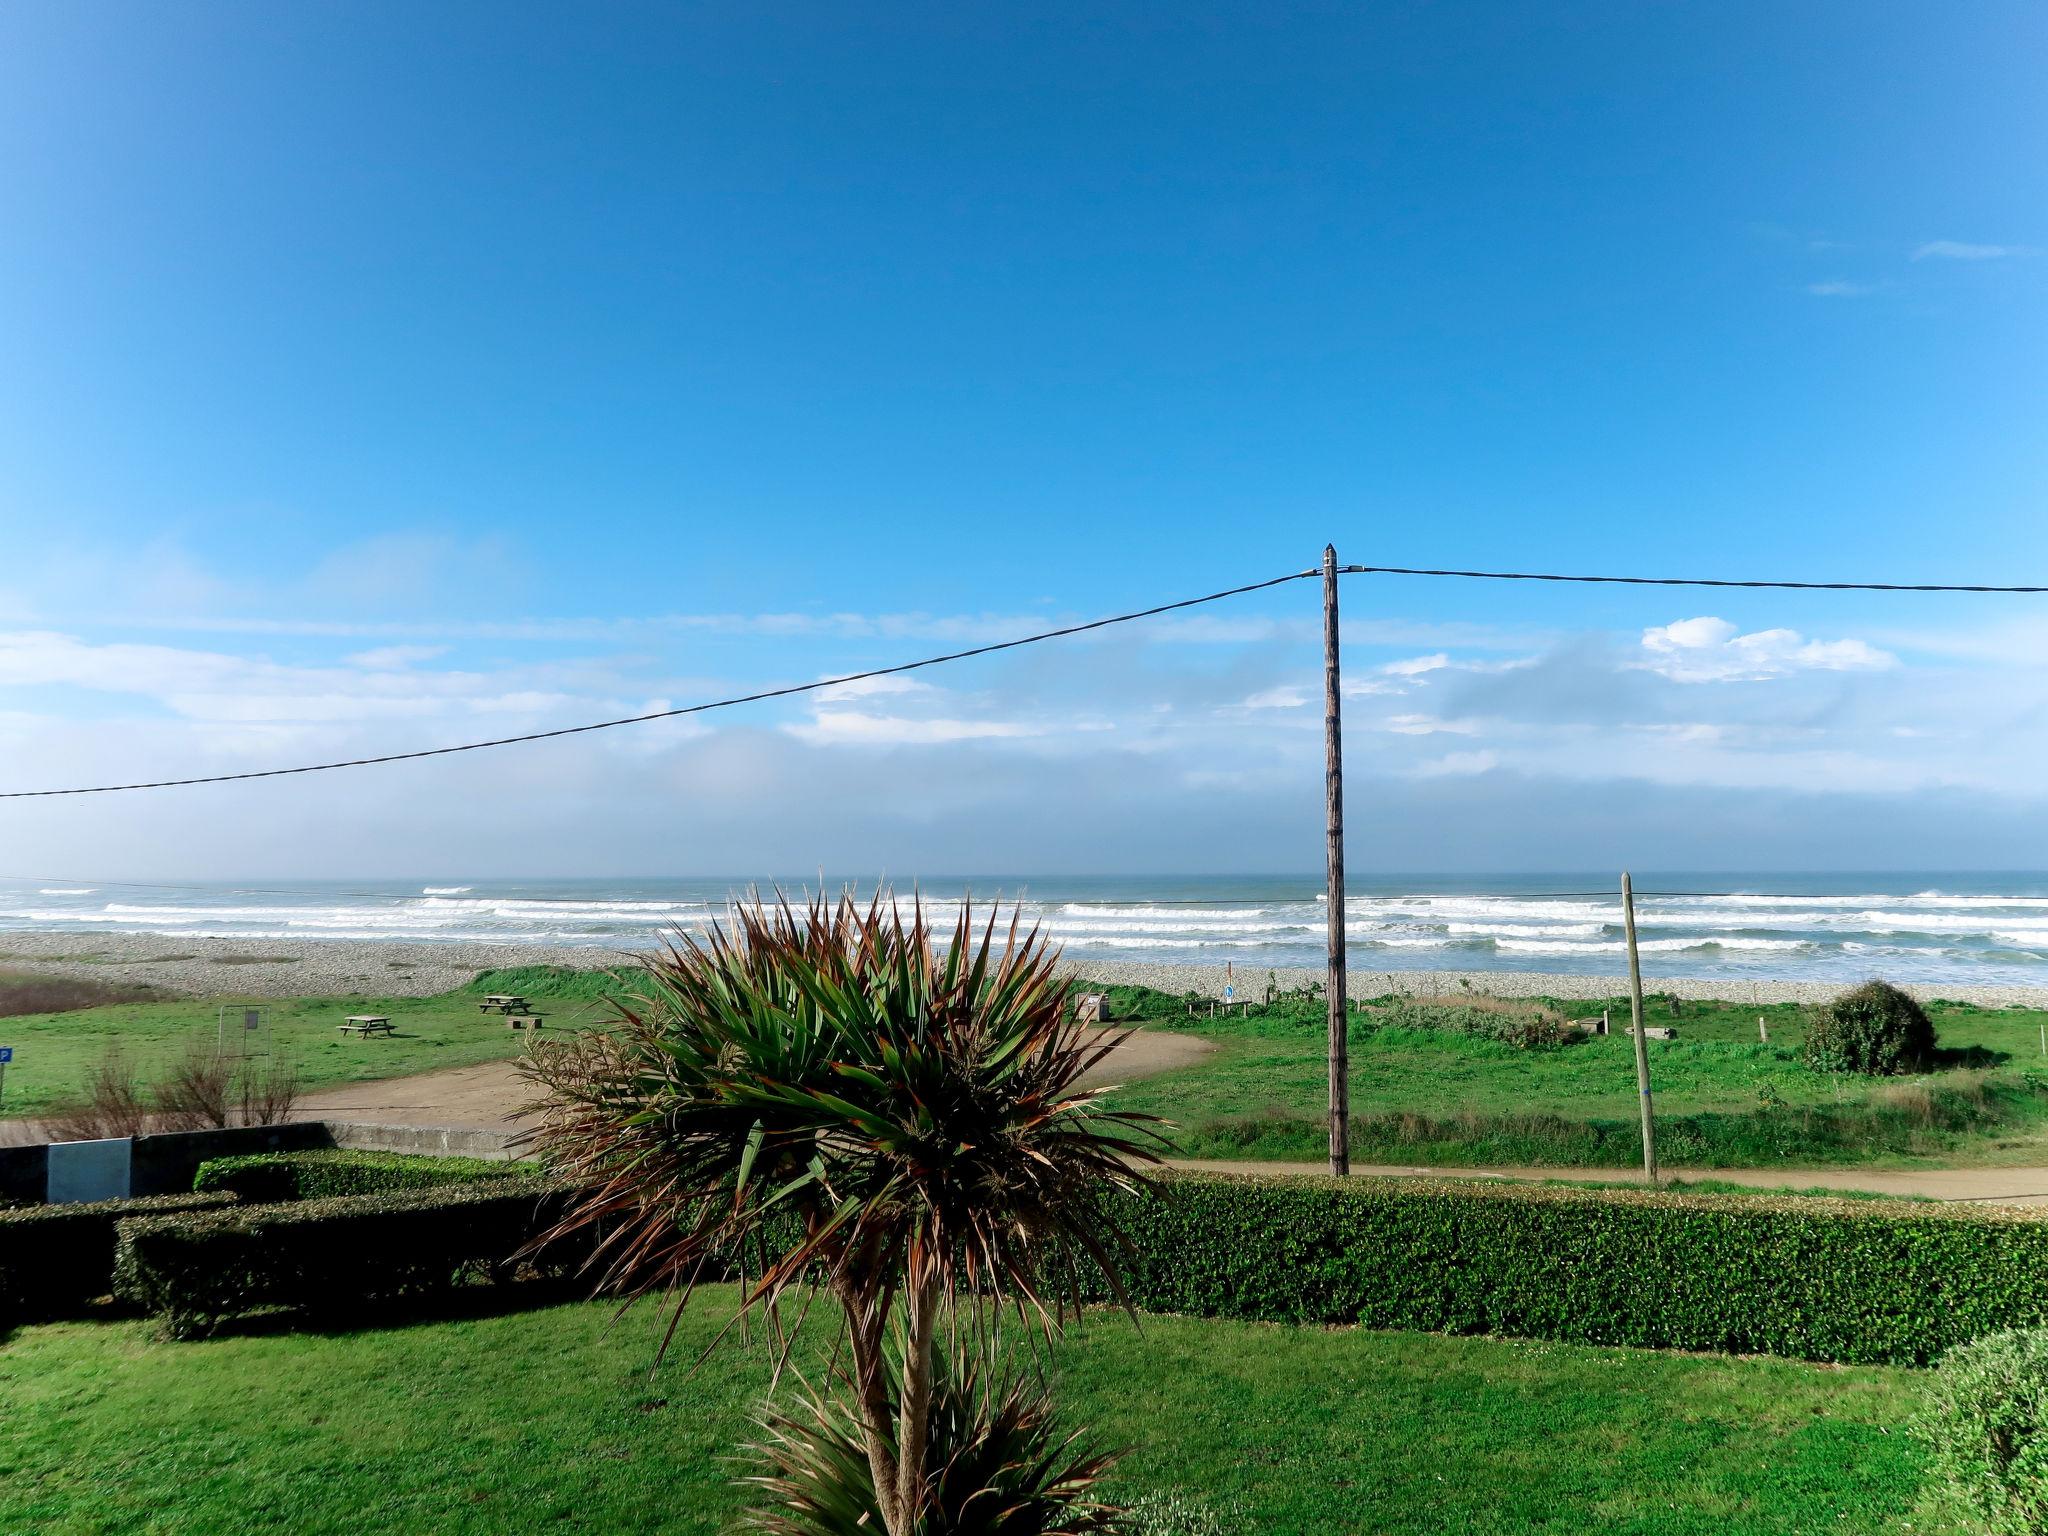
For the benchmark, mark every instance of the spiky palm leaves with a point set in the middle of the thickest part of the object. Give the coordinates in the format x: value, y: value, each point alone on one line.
x: 996, y: 1464
x: 824, y: 1097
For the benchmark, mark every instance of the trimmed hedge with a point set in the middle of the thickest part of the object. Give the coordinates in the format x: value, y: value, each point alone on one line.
x: 269, y: 1177
x: 56, y: 1259
x: 195, y: 1272
x: 1815, y: 1279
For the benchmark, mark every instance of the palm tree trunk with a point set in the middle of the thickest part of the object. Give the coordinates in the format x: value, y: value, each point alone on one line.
x: 865, y: 1340
x: 914, y: 1414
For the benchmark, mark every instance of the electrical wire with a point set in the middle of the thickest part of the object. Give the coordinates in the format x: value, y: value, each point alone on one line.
x: 669, y: 714
x: 1004, y: 645
x: 1684, y: 581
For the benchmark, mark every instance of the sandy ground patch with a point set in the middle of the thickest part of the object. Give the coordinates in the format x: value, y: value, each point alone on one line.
x: 485, y: 1098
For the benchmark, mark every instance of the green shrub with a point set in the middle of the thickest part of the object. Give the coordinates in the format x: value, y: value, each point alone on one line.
x: 1855, y: 1281
x: 1874, y: 1029
x: 1512, y: 1023
x: 557, y: 983
x: 197, y: 1271
x: 56, y: 1259
x: 267, y: 1177
x: 1986, y: 1423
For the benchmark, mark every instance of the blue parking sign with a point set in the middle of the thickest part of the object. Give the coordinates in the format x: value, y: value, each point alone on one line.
x: 6, y: 1054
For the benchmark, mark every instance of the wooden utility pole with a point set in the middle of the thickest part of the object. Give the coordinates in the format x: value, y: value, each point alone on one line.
x: 1333, y: 813
x: 1635, y: 1008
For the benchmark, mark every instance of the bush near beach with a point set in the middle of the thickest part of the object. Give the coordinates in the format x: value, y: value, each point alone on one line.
x: 1874, y: 1029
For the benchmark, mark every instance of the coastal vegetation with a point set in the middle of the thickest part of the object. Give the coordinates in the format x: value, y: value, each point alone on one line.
x: 1466, y: 1080
x: 1728, y: 1093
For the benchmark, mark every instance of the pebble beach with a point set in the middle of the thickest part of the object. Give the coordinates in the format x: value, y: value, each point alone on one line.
x: 251, y: 968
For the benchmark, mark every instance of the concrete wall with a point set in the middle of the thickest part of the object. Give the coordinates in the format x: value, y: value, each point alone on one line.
x: 422, y: 1140
x: 165, y: 1164
x: 24, y: 1172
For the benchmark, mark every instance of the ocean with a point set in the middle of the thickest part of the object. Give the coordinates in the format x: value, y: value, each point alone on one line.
x: 1919, y: 927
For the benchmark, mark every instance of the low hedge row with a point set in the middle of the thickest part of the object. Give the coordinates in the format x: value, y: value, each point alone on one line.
x: 1818, y: 1279
x: 1815, y: 1279
x: 197, y: 1271
x: 269, y: 1177
x: 56, y: 1259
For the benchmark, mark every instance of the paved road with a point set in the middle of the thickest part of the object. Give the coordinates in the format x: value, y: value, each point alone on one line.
x: 485, y: 1097
x: 1999, y: 1186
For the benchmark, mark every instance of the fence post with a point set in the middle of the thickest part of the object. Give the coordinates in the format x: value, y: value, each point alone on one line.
x: 1333, y: 816
x: 1635, y: 1009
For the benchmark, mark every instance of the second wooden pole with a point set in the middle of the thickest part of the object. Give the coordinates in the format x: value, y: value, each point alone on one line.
x: 1635, y: 1011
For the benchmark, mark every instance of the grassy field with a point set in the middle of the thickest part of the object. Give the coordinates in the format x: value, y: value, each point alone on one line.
x: 545, y: 1420
x: 53, y: 1051
x: 1723, y: 1096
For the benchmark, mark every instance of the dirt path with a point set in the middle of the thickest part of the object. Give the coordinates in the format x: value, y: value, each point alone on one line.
x: 1990, y: 1186
x: 483, y: 1098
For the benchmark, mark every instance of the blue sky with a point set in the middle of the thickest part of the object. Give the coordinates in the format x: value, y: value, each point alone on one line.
x: 376, y: 376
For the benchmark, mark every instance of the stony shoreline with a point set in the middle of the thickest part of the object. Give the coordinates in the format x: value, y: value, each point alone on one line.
x: 233, y: 968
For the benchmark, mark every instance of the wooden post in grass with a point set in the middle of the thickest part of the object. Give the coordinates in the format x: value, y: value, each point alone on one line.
x: 1635, y: 1010
x: 1333, y: 816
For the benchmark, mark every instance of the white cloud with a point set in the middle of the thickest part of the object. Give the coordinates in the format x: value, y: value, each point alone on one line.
x: 1288, y: 697
x: 871, y: 687
x: 1842, y: 288
x: 392, y: 658
x: 1455, y: 764
x: 1430, y: 725
x: 852, y: 727
x: 1961, y: 250
x: 1711, y: 650
x: 1415, y: 666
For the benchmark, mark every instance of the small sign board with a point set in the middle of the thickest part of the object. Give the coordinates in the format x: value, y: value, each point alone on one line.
x: 6, y: 1054
x: 251, y: 1017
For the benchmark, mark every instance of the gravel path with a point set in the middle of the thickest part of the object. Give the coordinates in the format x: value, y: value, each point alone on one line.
x: 343, y: 967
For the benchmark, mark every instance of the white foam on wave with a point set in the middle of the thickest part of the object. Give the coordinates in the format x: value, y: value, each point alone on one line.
x: 1617, y: 946
x: 67, y: 890
x: 446, y: 890
x: 1527, y: 930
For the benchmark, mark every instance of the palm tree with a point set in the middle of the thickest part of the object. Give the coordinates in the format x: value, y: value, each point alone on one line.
x: 820, y: 1097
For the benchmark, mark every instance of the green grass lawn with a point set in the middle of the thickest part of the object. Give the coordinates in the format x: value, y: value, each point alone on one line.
x: 54, y: 1051
x: 1723, y: 1096
x: 545, y: 1420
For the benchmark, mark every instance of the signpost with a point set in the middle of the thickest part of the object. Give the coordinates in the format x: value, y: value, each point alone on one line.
x: 6, y: 1055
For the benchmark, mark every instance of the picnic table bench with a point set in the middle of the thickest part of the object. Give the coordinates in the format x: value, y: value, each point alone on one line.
x: 366, y: 1024
x: 522, y: 1021
x: 503, y: 1002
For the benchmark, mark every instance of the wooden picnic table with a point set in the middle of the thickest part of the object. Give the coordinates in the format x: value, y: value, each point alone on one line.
x: 366, y: 1024
x: 503, y: 1002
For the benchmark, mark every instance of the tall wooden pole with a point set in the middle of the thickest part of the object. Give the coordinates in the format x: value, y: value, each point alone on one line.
x: 1635, y: 1009
x: 1333, y: 812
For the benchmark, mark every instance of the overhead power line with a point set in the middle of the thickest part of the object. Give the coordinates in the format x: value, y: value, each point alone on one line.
x: 1683, y: 581
x: 793, y: 689
x: 671, y: 714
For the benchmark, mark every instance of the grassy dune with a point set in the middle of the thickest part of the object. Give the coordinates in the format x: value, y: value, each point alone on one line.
x: 1723, y: 1096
